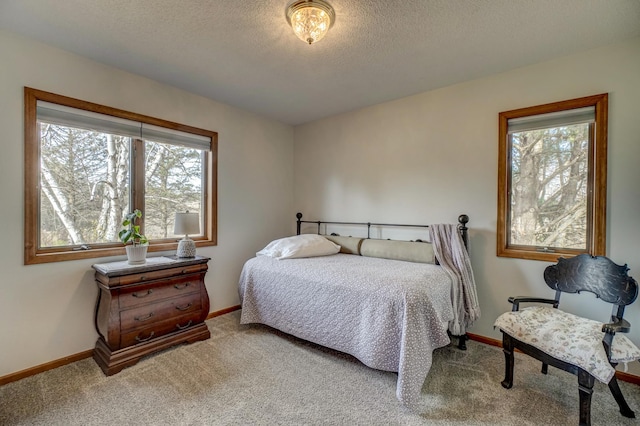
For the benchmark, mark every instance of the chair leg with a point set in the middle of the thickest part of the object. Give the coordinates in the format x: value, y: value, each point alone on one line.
x: 617, y: 394
x: 507, y: 348
x: 462, y: 342
x: 545, y: 368
x: 585, y: 387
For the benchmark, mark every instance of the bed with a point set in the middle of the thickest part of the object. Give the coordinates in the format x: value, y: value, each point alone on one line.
x: 387, y: 312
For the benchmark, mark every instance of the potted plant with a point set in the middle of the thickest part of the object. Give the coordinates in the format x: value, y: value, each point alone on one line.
x: 137, y: 250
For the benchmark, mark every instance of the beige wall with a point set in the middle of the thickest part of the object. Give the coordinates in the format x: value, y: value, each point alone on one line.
x: 46, y: 311
x: 429, y: 157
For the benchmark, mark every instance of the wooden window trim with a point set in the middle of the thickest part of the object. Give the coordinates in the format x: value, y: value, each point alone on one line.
x: 33, y: 254
x: 597, y: 195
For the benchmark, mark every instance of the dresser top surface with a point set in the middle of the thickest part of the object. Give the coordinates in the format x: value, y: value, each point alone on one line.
x: 113, y: 269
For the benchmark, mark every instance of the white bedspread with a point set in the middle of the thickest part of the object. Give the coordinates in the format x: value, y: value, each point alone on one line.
x: 389, y: 314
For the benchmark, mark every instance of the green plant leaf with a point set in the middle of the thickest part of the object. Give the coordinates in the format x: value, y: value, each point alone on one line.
x: 132, y: 231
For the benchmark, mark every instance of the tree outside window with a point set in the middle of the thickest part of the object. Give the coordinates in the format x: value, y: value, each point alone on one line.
x: 552, y: 179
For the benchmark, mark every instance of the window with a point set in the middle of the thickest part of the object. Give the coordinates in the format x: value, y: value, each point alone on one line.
x: 552, y: 174
x: 87, y: 165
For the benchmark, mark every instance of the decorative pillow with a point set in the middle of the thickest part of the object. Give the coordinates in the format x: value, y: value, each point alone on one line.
x: 410, y: 251
x: 306, y: 245
x: 348, y: 245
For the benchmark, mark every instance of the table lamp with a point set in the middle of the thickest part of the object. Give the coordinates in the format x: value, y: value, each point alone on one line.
x: 186, y: 223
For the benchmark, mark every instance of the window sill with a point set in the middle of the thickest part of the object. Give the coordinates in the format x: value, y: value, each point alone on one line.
x: 532, y: 254
x: 60, y: 255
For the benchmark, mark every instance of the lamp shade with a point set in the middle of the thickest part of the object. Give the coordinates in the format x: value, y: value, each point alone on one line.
x: 187, y: 223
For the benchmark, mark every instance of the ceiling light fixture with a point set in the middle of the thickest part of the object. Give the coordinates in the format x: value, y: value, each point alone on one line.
x: 310, y: 19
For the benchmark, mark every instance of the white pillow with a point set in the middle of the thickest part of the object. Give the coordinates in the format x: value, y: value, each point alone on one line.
x: 305, y: 245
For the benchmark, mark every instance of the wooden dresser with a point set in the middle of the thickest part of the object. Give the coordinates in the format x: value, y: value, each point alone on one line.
x: 146, y: 308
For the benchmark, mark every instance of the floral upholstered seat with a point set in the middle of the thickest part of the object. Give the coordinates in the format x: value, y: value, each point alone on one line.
x: 568, y: 337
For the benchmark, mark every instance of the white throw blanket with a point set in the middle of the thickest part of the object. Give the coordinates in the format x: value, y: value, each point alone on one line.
x: 453, y: 257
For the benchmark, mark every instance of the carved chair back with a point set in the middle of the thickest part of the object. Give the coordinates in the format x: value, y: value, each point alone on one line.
x: 596, y: 274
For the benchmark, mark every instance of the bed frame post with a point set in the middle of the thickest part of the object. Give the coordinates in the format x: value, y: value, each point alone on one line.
x: 463, y: 219
x: 299, y: 216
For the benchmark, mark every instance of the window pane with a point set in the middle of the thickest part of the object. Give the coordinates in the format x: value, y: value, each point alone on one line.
x: 84, y: 185
x: 174, y: 183
x: 549, y: 187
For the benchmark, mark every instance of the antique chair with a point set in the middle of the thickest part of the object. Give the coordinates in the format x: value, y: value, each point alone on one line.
x: 578, y: 345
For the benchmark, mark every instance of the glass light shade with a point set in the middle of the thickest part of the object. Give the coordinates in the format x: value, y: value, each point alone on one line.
x: 310, y: 19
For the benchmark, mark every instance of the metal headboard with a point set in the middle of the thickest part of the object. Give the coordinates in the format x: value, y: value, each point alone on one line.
x: 463, y: 219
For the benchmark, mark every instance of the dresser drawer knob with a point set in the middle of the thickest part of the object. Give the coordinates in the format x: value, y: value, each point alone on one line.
x: 184, y: 307
x: 140, y: 295
x: 182, y: 327
x: 180, y: 287
x: 143, y: 318
x: 140, y: 339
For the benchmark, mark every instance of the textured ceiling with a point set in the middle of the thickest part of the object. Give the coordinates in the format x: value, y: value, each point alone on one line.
x: 243, y: 53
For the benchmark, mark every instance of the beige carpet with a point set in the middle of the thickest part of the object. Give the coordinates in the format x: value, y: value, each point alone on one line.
x: 255, y: 375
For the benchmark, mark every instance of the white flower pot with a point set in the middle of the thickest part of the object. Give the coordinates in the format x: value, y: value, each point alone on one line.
x: 137, y: 255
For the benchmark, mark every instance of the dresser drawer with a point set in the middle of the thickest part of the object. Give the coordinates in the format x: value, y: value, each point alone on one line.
x: 158, y: 329
x: 155, y: 312
x: 156, y: 275
x: 159, y: 289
